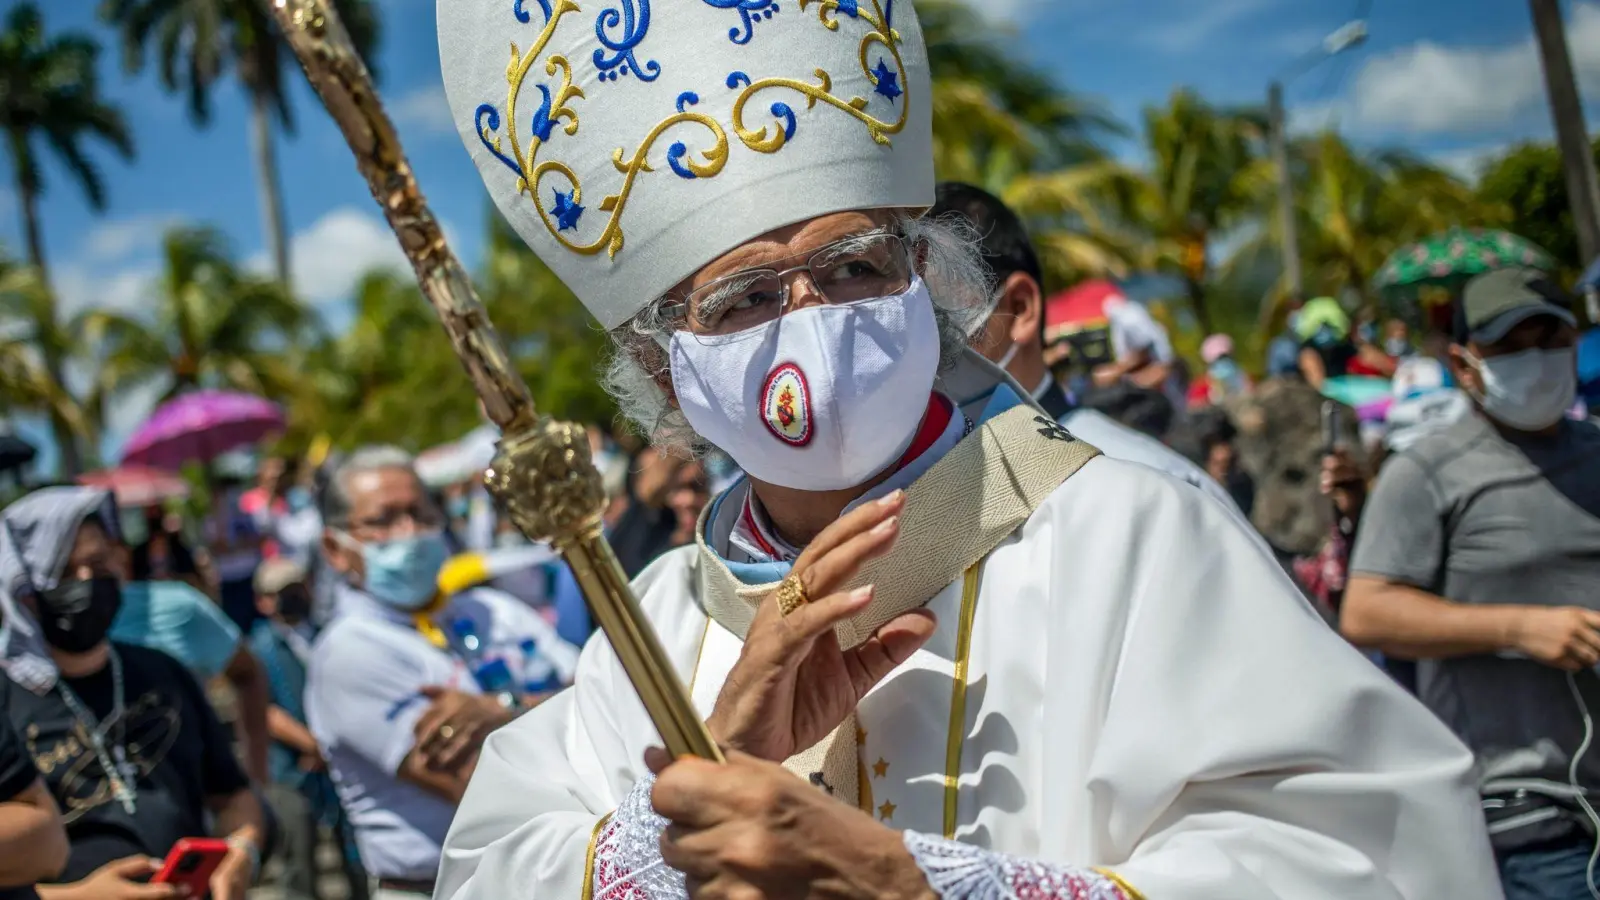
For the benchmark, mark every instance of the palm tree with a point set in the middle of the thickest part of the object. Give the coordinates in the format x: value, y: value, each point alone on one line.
x: 197, y: 40
x: 1010, y: 128
x: 49, y: 93
x: 1203, y: 161
x: 1353, y: 209
x: 212, y: 326
x: 35, y: 353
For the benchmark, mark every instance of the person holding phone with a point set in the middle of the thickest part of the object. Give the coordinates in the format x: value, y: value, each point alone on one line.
x: 123, y: 736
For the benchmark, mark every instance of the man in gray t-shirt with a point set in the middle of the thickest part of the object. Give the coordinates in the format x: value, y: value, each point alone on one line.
x: 1478, y: 555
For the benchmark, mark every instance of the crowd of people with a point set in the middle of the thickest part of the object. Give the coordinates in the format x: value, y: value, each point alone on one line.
x: 361, y: 673
x: 1028, y: 613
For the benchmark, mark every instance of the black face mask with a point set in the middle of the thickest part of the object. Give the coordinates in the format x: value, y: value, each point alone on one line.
x: 294, y: 603
x: 76, y: 615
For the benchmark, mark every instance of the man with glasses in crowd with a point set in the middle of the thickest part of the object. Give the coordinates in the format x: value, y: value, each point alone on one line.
x: 405, y: 683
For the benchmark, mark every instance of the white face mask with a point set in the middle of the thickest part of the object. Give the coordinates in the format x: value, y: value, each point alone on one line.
x: 1529, y: 390
x: 819, y: 399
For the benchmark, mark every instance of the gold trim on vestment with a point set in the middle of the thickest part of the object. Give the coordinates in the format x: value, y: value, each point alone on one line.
x: 958, y: 698
x: 588, y: 859
x: 1121, y: 883
x: 694, y: 673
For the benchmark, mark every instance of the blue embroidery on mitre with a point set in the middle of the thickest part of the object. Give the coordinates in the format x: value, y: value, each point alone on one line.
x: 635, y: 21
x: 566, y: 210
x: 520, y: 147
x: 888, y: 82
x: 749, y: 12
x: 487, y: 111
x: 679, y: 150
x: 523, y: 15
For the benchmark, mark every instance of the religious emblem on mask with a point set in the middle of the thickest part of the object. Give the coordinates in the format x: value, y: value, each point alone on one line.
x: 786, y: 405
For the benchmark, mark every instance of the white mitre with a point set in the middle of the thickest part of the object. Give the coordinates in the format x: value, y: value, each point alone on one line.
x: 630, y: 146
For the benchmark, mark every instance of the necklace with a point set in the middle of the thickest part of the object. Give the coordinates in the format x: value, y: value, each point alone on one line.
x: 113, y: 759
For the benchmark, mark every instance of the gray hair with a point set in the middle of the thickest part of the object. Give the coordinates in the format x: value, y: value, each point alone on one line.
x: 958, y: 279
x: 336, y: 493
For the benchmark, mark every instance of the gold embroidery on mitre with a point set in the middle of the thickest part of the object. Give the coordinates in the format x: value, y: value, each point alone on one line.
x: 765, y: 139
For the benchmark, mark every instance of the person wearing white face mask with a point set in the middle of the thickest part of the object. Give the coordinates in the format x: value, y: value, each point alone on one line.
x: 1479, y: 557
x: 405, y: 683
x: 952, y: 649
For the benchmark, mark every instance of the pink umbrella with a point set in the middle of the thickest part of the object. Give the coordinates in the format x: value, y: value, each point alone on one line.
x: 201, y: 426
x: 136, y: 486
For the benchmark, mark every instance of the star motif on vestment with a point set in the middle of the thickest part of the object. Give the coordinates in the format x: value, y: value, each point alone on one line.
x: 880, y: 768
x: 886, y: 811
x: 567, y: 210
x: 861, y: 735
x: 888, y: 81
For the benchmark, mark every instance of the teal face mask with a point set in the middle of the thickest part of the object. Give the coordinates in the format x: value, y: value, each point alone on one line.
x: 404, y: 572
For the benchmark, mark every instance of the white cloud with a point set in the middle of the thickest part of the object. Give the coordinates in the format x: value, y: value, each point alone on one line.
x: 1432, y: 89
x: 82, y: 286
x: 1006, y: 10
x: 1315, y: 118
x: 424, y: 111
x: 114, y: 240
x: 331, y: 256
x: 1468, y: 162
x: 1205, y: 21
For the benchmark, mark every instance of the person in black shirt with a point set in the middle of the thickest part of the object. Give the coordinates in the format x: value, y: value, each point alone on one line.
x: 122, y: 735
x: 33, y: 845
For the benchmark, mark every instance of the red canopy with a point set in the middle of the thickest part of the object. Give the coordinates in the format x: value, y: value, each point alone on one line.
x: 1078, y: 308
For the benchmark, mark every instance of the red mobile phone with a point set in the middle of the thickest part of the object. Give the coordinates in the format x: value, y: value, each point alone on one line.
x: 190, y: 863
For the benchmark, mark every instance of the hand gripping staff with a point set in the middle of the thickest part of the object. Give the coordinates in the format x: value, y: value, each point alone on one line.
x: 541, y: 474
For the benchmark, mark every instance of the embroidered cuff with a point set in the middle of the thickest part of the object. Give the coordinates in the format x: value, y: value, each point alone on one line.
x: 962, y: 872
x: 627, y: 853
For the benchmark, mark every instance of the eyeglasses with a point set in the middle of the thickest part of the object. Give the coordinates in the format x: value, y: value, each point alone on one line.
x: 422, y: 518
x: 860, y: 267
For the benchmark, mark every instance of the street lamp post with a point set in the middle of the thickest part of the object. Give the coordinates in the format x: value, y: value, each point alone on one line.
x: 1350, y: 35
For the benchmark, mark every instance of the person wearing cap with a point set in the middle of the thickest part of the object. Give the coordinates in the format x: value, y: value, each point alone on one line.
x: 1223, y: 378
x: 1479, y: 557
x: 1326, y: 350
x: 951, y: 649
x: 1012, y: 336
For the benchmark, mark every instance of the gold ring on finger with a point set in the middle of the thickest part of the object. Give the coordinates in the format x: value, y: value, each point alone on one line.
x: 447, y: 731
x: 791, y: 594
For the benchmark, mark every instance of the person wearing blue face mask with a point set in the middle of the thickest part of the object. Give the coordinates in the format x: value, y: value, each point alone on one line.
x: 398, y: 708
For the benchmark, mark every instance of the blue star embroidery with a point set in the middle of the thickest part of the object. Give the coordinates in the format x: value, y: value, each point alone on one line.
x: 566, y: 211
x: 888, y: 81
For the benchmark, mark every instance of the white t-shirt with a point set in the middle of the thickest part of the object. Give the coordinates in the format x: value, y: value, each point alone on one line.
x: 363, y: 698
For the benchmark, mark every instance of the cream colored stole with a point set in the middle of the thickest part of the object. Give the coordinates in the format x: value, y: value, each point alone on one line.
x: 983, y: 489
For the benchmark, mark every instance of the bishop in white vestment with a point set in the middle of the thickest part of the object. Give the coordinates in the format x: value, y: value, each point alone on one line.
x: 956, y: 652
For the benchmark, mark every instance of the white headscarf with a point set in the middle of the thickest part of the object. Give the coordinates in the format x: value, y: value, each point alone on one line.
x: 36, y: 537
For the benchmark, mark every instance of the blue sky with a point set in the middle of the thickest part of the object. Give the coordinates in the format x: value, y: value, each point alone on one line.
x: 1454, y: 79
